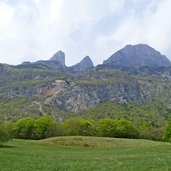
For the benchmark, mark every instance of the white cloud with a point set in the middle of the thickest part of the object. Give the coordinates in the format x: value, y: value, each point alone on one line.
x: 153, y: 27
x: 6, y: 15
x: 35, y: 29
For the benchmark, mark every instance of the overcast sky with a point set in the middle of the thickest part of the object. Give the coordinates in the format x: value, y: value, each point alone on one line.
x: 31, y: 30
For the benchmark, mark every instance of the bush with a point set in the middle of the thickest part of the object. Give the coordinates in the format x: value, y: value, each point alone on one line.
x: 107, y: 127
x: 153, y: 133
x: 119, y: 128
x: 42, y: 127
x: 77, y: 126
x: 167, y: 132
x: 55, y: 129
x: 45, y: 127
x: 24, y: 128
x: 126, y: 129
x: 30, y: 128
x: 87, y: 128
x: 4, y: 134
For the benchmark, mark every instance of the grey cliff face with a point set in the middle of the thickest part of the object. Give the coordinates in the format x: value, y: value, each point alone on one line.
x: 59, y: 57
x: 137, y: 56
x: 74, y: 97
x: 79, y: 98
x: 85, y: 64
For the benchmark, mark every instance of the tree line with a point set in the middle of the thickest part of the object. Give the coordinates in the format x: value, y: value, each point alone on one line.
x: 46, y: 126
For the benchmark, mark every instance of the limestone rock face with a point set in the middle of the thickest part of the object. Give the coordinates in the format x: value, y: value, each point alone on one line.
x: 137, y: 56
x: 77, y: 98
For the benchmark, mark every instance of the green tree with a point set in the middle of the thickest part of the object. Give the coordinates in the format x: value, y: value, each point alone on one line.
x: 78, y: 126
x: 119, y: 128
x: 55, y: 129
x: 87, y: 128
x: 4, y: 134
x: 42, y: 127
x: 125, y: 129
x: 107, y: 127
x: 167, y: 131
x: 153, y: 133
x: 24, y: 128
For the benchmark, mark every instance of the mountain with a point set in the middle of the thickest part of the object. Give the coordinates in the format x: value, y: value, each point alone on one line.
x: 50, y: 87
x: 137, y: 56
x: 59, y: 57
x: 57, y: 61
x: 84, y: 65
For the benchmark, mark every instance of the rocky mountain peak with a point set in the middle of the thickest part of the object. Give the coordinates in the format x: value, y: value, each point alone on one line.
x: 59, y: 57
x: 85, y: 64
x: 137, y: 56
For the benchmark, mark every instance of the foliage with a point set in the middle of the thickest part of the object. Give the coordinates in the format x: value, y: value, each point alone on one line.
x: 55, y: 129
x: 107, y: 127
x: 167, y: 132
x: 45, y: 126
x: 125, y: 129
x: 153, y: 132
x: 4, y: 134
x: 77, y: 126
x: 24, y: 128
x: 120, y: 128
x: 41, y: 127
x: 30, y: 128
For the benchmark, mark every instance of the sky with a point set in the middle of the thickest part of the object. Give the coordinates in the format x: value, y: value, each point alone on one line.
x: 32, y: 30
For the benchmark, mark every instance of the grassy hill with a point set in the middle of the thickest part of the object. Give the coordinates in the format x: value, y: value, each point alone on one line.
x: 85, y: 154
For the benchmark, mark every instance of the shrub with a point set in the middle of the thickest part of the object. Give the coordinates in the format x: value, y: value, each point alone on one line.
x: 42, y: 126
x: 24, y: 128
x: 77, y: 126
x: 125, y: 129
x: 55, y: 129
x: 30, y: 128
x: 167, y: 132
x: 153, y: 133
x: 119, y: 128
x: 4, y: 134
x: 87, y: 128
x: 107, y: 127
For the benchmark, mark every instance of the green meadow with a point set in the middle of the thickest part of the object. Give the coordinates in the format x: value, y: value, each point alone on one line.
x: 79, y: 153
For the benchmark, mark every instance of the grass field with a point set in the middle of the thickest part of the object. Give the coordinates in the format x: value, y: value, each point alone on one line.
x: 85, y: 154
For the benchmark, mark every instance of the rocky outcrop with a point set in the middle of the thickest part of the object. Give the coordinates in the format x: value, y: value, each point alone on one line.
x: 84, y: 65
x: 137, y: 56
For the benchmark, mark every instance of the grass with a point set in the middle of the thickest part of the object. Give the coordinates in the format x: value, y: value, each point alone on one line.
x: 85, y: 154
